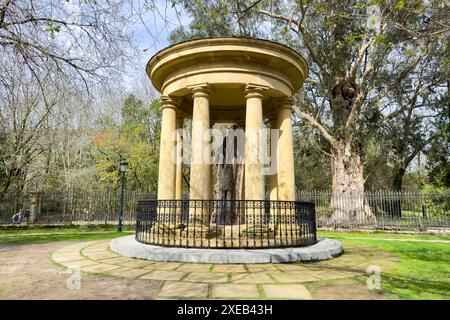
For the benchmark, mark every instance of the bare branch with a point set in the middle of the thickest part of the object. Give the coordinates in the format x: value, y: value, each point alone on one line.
x: 315, y: 124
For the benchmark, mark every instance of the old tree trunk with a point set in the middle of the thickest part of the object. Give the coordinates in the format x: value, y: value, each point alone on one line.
x: 229, y: 177
x: 348, y: 204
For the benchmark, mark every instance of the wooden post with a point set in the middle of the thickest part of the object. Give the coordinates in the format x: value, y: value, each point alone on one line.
x: 34, y: 207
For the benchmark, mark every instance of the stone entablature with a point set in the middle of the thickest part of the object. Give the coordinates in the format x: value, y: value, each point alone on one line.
x: 227, y: 65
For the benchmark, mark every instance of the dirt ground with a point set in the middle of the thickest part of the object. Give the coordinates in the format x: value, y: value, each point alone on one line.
x: 26, y: 272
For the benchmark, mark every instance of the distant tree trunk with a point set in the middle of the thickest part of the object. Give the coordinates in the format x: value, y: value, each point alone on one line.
x: 397, y: 178
x: 395, y: 207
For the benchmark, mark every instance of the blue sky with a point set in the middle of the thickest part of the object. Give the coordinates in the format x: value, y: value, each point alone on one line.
x: 152, y: 29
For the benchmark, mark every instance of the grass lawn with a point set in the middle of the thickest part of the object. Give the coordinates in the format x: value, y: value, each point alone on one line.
x: 54, y: 229
x: 380, y: 234
x: 424, y: 270
x: 22, y: 235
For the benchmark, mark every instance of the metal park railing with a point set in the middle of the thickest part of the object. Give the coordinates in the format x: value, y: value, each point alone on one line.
x: 70, y: 208
x: 382, y: 210
x: 225, y: 223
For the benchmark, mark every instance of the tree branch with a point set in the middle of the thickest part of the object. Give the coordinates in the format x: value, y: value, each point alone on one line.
x: 316, y: 124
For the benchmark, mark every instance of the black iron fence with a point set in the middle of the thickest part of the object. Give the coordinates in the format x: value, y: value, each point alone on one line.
x: 70, y: 208
x: 11, y: 203
x: 371, y: 210
x: 380, y: 210
x: 225, y: 223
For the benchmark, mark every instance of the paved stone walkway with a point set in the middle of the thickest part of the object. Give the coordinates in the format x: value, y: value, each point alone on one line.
x: 216, y: 281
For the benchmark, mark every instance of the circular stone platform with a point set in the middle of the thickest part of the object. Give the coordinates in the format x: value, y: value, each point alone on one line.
x: 324, y: 249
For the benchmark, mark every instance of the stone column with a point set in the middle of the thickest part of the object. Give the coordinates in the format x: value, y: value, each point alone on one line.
x: 200, y: 182
x: 273, y: 178
x: 167, y: 163
x: 254, y: 180
x: 286, y: 172
x: 179, y: 156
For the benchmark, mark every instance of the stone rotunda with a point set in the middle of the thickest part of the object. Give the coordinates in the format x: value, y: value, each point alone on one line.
x: 241, y: 182
x: 229, y: 80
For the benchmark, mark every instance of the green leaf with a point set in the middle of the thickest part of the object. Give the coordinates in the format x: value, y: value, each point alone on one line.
x: 400, y: 5
x: 409, y: 52
x: 351, y: 39
x: 378, y: 38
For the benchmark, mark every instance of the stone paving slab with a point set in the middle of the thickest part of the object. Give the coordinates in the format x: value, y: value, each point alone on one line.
x: 183, y: 290
x: 99, y: 268
x: 231, y: 291
x: 92, y: 250
x: 136, y: 263
x: 262, y: 267
x: 229, y: 268
x: 79, y: 263
x: 251, y: 278
x: 195, y: 267
x: 101, y: 256
x: 163, y: 265
x: 68, y: 258
x: 164, y: 275
x: 208, y: 277
x: 294, y: 276
x: 291, y: 267
x: 232, y: 281
x: 286, y: 291
x: 117, y: 260
x: 96, y: 248
x: 129, y: 273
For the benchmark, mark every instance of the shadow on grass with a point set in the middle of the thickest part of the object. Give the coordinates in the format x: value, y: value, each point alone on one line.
x: 416, y: 287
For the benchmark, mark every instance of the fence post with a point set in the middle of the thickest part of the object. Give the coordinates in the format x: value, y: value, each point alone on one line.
x: 34, y: 207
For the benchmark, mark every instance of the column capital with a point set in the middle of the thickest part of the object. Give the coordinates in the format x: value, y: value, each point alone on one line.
x: 169, y: 102
x: 200, y: 90
x: 284, y: 102
x: 254, y: 90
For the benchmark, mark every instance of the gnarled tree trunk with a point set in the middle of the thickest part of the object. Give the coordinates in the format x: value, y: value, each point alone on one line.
x: 348, y: 203
x: 229, y: 183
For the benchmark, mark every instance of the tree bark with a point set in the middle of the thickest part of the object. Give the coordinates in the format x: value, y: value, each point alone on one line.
x: 395, y: 205
x: 229, y: 183
x: 397, y: 178
x: 348, y: 203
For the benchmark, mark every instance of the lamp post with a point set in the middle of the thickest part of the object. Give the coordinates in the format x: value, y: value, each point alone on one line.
x: 123, y: 168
